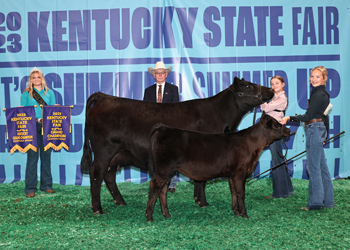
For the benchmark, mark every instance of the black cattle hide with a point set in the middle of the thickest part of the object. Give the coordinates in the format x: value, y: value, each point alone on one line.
x: 118, y: 130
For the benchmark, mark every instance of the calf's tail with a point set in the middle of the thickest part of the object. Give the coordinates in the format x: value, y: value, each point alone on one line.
x: 86, y: 159
x: 152, y: 141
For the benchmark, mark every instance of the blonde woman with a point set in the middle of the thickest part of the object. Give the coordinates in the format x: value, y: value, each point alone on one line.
x: 281, y: 182
x: 316, y: 123
x: 38, y: 93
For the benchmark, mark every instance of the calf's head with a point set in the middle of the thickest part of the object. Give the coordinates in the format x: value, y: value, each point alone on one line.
x: 274, y: 129
x: 250, y: 94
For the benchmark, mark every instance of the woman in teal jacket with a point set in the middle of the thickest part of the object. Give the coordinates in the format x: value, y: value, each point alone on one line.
x: 37, y: 84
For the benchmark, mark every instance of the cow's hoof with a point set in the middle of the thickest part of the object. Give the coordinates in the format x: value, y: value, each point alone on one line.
x: 236, y: 213
x: 120, y: 203
x: 166, y: 215
x: 204, y: 205
x: 99, y: 212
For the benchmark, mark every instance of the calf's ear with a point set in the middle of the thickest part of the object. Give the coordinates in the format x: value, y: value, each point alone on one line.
x: 266, y: 121
x: 269, y: 123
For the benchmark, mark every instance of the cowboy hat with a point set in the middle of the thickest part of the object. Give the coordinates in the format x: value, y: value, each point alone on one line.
x: 159, y: 65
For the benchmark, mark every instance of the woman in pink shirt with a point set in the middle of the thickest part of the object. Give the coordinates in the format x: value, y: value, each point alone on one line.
x: 281, y: 182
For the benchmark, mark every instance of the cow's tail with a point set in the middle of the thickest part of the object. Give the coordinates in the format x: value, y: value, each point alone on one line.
x: 152, y: 141
x: 86, y: 159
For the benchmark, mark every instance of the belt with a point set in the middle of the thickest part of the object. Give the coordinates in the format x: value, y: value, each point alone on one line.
x: 40, y: 120
x: 313, y: 121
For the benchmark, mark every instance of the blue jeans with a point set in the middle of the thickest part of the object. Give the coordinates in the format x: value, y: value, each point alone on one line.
x: 172, y: 183
x: 320, y: 182
x: 281, y: 182
x: 31, y: 175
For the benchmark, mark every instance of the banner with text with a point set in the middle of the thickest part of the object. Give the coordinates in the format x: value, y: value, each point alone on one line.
x: 56, y: 127
x: 21, y: 128
x: 88, y: 46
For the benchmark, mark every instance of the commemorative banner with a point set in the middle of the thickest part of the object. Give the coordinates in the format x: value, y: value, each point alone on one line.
x: 87, y: 46
x: 21, y: 129
x: 56, y: 127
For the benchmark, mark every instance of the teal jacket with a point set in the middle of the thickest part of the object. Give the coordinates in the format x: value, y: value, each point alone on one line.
x: 27, y: 100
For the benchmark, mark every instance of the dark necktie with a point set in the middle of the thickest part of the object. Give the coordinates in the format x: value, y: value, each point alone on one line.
x: 159, y: 94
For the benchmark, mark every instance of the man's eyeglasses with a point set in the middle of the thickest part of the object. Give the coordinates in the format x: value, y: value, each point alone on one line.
x: 160, y: 73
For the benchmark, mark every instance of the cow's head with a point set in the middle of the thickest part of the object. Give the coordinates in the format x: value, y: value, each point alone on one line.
x: 275, y: 130
x: 250, y: 94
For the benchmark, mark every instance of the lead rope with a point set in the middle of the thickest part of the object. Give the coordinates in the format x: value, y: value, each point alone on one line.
x: 259, y: 97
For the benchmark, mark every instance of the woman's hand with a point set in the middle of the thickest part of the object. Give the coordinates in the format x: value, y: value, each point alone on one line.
x: 285, y: 120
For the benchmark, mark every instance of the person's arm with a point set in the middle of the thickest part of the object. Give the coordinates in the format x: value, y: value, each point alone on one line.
x: 280, y: 103
x: 24, y: 98
x: 176, y: 94
x: 310, y: 112
x: 146, y: 95
x: 285, y: 120
x: 263, y: 106
x: 52, y: 98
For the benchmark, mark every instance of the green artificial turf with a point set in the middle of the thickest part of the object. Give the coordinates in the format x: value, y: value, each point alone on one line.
x: 64, y: 220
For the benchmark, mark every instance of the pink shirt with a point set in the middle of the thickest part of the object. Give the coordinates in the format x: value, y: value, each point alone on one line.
x: 279, y: 102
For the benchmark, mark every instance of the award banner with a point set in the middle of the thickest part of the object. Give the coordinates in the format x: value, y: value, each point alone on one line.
x: 21, y: 129
x: 88, y: 46
x: 56, y: 127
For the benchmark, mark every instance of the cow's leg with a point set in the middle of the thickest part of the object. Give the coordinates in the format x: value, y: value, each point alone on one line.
x: 163, y: 199
x: 240, y: 188
x: 96, y: 178
x: 153, y: 193
x: 234, y: 196
x: 113, y: 188
x: 199, y: 193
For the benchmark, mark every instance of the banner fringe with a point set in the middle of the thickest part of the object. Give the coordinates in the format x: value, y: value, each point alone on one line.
x: 56, y: 148
x: 23, y: 150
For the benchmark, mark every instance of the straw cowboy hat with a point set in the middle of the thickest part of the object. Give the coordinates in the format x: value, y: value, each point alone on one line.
x: 159, y: 65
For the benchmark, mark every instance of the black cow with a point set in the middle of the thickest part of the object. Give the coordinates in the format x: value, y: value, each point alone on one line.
x: 201, y: 156
x: 118, y: 130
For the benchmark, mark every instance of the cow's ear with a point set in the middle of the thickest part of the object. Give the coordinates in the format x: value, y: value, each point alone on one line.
x: 235, y: 83
x: 242, y: 79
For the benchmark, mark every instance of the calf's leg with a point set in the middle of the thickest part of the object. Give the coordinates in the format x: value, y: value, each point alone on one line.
x: 234, y: 196
x: 163, y: 200
x: 239, y: 182
x: 155, y: 187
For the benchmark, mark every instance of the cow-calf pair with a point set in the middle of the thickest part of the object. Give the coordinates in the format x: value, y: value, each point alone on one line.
x: 118, y: 130
x: 204, y: 157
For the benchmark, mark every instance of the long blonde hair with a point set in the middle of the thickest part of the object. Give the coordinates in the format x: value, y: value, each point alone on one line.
x: 30, y: 87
